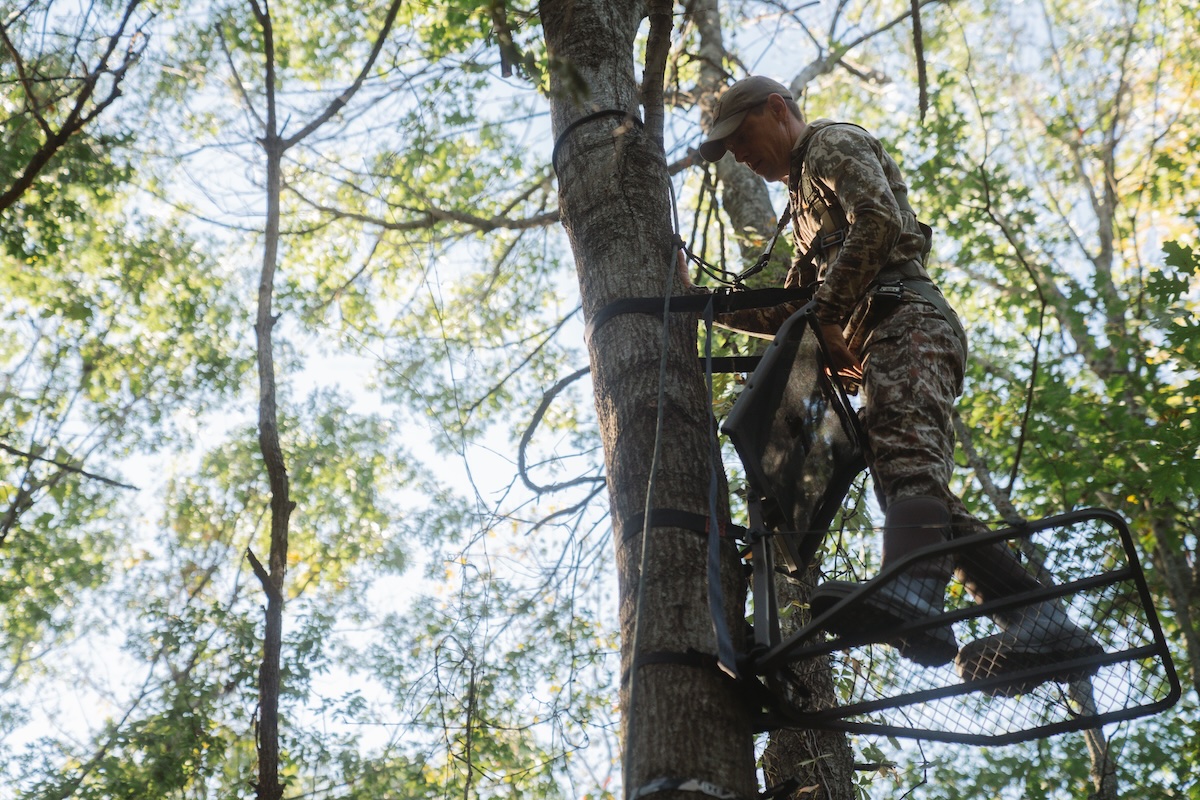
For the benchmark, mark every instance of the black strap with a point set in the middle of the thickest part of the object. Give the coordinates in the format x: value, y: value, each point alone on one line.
x: 687, y: 658
x: 907, y: 273
x: 726, y: 650
x: 607, y: 112
x: 928, y: 291
x: 780, y: 789
x: 723, y: 300
x: 667, y: 518
x: 735, y: 363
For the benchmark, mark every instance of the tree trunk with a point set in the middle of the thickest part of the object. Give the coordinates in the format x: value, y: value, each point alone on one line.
x: 269, y: 786
x: 820, y: 762
x: 684, y: 719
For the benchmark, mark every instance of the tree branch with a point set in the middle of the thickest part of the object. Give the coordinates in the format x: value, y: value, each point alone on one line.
x: 658, y: 46
x: 78, y: 117
x: 429, y: 217
x: 66, y: 467
x: 340, y: 101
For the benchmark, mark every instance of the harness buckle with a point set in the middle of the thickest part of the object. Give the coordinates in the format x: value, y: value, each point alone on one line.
x: 830, y: 239
x: 889, y: 290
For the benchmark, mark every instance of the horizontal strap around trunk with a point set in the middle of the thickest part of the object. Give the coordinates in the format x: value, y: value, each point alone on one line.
x: 723, y: 301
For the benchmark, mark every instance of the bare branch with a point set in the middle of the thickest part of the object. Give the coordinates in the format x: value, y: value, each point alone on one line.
x: 526, y: 437
x: 919, y: 50
x: 80, y: 114
x: 836, y: 56
x: 429, y: 217
x: 658, y: 46
x: 238, y: 85
x: 341, y: 100
x: 64, y: 466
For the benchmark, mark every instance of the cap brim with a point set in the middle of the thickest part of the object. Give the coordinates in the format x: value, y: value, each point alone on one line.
x: 713, y: 148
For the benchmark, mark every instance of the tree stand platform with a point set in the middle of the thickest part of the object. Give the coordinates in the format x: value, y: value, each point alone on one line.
x: 1088, y: 568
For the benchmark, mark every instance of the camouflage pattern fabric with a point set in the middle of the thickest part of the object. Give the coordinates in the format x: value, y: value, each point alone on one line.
x: 848, y: 163
x: 913, y: 358
x: 912, y: 374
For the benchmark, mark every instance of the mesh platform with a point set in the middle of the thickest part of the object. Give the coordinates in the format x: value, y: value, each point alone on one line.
x: 1108, y: 663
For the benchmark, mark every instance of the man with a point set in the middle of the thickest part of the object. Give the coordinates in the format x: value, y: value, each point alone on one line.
x: 889, y: 328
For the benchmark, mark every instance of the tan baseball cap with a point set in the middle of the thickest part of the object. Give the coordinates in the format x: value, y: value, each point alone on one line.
x: 738, y: 100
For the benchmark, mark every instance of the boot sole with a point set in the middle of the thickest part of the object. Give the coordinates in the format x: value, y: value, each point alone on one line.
x: 932, y: 647
x: 999, y: 654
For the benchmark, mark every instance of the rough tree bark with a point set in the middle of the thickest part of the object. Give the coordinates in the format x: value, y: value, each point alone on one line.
x: 687, y: 721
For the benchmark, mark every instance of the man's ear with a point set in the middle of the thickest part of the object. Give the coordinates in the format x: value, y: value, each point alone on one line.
x: 778, y: 106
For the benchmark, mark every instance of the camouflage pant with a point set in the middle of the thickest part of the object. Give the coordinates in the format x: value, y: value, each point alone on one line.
x: 912, y: 374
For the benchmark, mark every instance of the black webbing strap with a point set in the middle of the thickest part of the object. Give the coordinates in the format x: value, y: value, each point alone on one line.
x: 674, y: 518
x: 723, y: 301
x: 734, y: 363
x: 780, y: 789
x: 688, y: 658
x: 605, y: 112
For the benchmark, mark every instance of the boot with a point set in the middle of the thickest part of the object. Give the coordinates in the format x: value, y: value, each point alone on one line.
x: 909, y: 524
x: 1038, y: 635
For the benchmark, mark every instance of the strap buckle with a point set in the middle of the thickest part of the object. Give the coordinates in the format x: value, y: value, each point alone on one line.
x: 830, y: 239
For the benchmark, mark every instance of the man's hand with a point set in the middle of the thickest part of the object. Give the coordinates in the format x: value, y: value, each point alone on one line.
x: 681, y: 271
x: 842, y: 361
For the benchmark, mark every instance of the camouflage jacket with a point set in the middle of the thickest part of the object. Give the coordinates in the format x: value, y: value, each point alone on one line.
x: 842, y: 164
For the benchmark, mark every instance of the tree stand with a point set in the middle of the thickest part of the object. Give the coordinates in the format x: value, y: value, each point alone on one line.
x: 799, y: 439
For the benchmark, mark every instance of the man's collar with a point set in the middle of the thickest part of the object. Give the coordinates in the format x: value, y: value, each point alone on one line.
x: 809, y: 129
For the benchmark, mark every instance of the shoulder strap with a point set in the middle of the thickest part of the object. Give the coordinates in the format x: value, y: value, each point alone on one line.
x: 831, y: 201
x: 835, y: 207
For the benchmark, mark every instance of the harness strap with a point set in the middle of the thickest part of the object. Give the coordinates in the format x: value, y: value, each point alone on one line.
x: 683, y: 785
x: 911, y: 278
x: 688, y: 658
x: 908, y: 273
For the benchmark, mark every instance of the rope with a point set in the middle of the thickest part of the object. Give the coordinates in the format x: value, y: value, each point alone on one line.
x: 650, y: 486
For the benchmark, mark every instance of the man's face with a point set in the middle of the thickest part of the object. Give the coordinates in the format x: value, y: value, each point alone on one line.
x: 763, y: 142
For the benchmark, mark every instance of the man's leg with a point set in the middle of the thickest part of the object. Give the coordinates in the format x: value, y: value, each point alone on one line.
x: 912, y: 373
x: 1036, y: 635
